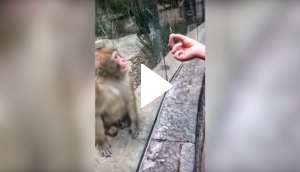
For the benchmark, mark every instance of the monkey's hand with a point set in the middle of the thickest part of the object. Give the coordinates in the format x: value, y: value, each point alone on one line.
x: 105, y: 150
x: 134, y: 130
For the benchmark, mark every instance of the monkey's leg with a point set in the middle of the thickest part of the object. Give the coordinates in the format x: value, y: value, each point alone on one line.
x: 101, y: 138
x: 133, y: 115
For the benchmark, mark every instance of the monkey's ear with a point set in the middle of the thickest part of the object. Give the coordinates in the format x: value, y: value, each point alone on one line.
x: 98, y: 65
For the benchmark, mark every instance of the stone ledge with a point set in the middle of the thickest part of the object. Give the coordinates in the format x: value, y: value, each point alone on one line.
x: 173, y: 141
x: 176, y: 142
x: 187, y: 88
x: 177, y: 124
x: 200, y: 134
x: 178, y: 116
x: 169, y: 156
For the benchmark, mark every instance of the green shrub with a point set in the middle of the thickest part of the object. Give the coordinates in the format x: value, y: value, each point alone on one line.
x: 119, y: 6
x: 105, y: 29
x: 154, y: 44
x: 153, y: 38
x: 142, y: 16
x: 108, y: 15
x: 116, y: 6
x: 104, y: 26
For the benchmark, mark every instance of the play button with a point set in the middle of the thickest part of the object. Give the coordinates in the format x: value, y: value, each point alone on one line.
x: 152, y: 85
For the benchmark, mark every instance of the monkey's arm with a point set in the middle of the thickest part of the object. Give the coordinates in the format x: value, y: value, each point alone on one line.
x: 100, y: 132
x: 132, y: 108
x: 133, y: 115
x: 103, y: 98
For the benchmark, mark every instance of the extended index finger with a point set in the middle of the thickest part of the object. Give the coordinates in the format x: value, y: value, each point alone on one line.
x: 171, y: 41
x: 177, y: 37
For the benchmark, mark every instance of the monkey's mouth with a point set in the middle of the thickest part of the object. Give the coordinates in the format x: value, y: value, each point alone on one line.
x: 123, y: 67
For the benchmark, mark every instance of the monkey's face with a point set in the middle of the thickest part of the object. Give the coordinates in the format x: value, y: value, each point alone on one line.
x: 110, y: 63
x: 119, y: 61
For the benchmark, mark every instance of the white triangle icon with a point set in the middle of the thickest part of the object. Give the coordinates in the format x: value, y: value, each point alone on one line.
x: 152, y: 85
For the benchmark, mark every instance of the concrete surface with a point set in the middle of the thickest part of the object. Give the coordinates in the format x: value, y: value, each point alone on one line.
x: 127, y: 152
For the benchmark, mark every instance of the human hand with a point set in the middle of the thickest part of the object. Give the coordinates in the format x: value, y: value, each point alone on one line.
x: 187, y: 48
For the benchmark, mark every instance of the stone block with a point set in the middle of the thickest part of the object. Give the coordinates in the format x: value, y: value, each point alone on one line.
x: 187, y: 157
x: 162, y: 156
x: 176, y: 123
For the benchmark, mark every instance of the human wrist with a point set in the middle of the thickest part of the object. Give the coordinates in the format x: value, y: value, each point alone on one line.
x: 201, y: 51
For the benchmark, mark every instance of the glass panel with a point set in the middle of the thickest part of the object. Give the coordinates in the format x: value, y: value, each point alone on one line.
x: 139, y: 30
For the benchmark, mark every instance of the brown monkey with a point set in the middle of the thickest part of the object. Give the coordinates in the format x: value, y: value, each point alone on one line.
x: 112, y: 130
x: 115, y: 99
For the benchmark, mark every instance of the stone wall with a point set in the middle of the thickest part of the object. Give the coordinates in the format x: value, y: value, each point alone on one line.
x: 176, y: 142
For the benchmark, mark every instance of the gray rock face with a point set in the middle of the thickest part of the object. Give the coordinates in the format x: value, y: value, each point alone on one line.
x: 126, y: 46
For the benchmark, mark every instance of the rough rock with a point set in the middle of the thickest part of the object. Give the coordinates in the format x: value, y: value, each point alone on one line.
x: 126, y: 46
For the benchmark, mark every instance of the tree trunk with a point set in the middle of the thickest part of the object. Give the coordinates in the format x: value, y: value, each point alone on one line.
x: 188, y: 12
x: 203, y: 10
x: 194, y: 8
x: 152, y: 5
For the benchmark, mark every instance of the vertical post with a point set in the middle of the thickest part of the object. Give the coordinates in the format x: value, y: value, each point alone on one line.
x: 189, y: 14
x: 152, y: 5
x: 203, y: 10
x: 194, y: 8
